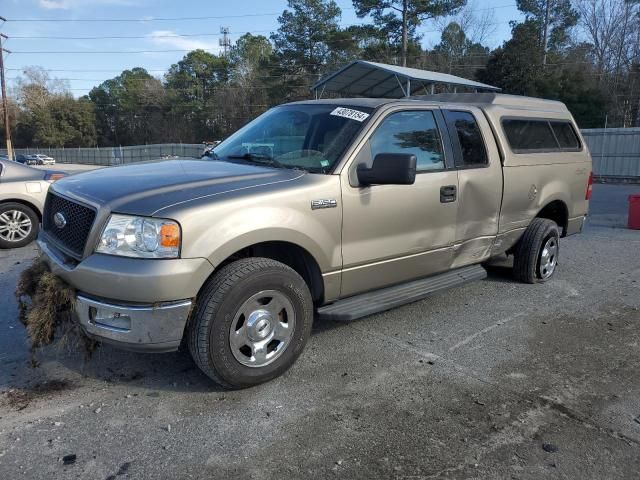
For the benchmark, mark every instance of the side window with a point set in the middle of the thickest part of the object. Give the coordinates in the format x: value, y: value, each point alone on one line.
x: 414, y: 132
x: 529, y: 135
x: 472, y: 149
x: 566, y: 136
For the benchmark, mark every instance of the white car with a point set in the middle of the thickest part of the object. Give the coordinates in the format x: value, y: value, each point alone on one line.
x: 42, y: 159
x: 22, y: 193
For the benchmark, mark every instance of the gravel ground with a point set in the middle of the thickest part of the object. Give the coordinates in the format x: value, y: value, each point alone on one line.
x: 490, y: 380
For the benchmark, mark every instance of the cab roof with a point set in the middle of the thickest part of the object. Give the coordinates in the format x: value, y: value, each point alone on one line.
x: 475, y: 99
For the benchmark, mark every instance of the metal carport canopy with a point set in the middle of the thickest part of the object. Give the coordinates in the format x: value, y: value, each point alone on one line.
x: 361, y: 78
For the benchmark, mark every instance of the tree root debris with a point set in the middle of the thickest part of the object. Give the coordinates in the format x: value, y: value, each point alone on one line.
x: 20, y: 398
x: 46, y: 309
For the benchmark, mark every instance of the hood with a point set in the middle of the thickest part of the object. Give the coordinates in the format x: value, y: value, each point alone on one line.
x: 145, y: 188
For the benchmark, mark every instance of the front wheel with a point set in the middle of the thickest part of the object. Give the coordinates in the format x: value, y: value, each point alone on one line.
x: 251, y: 322
x: 536, y: 255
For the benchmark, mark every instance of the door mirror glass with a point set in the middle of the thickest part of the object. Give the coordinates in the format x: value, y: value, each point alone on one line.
x: 389, y: 169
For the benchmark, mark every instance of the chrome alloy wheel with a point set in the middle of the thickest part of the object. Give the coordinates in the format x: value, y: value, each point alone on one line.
x: 262, y: 328
x: 548, y: 257
x: 14, y: 225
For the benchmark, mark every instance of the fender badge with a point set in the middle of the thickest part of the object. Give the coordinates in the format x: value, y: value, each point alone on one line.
x: 324, y: 203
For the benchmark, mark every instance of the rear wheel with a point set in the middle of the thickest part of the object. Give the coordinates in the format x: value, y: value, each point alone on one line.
x: 18, y: 225
x: 251, y: 322
x: 536, y: 255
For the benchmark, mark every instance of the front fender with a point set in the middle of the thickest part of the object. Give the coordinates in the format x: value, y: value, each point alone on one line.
x: 316, y: 232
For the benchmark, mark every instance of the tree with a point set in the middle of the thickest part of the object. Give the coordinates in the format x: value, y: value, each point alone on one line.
x: 400, y: 18
x: 517, y: 68
x: 455, y: 51
x: 247, y: 92
x: 515, y: 65
x: 35, y: 87
x: 602, y: 23
x: 248, y: 54
x: 192, y: 85
x: 611, y: 29
x: 129, y: 108
x: 478, y: 24
x: 48, y: 115
x: 302, y: 40
x: 65, y: 122
x: 553, y: 19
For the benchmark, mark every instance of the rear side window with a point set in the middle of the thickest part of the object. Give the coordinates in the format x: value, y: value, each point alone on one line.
x: 567, y: 138
x: 529, y: 135
x: 472, y: 149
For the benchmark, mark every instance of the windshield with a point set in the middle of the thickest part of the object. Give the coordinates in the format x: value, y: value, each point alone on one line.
x: 305, y: 136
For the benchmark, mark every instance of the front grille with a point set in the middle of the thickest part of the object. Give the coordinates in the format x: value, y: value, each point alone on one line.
x: 72, y: 237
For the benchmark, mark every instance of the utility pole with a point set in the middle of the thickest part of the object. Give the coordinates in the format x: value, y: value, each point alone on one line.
x: 405, y: 34
x: 5, y: 103
x: 545, y: 32
x: 225, y: 41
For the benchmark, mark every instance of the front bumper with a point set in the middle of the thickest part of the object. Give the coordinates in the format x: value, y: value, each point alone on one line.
x: 132, y: 302
x: 147, y: 328
x: 130, y: 280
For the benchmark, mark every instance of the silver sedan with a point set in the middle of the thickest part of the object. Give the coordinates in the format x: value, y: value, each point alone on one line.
x: 22, y: 194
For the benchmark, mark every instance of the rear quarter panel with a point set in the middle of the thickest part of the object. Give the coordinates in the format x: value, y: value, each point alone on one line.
x: 533, y: 180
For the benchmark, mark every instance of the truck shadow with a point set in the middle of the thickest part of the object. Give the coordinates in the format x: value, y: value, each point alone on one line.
x: 141, y: 371
x: 499, y: 274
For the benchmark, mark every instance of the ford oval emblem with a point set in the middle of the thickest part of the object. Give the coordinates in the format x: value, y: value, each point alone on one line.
x: 59, y: 220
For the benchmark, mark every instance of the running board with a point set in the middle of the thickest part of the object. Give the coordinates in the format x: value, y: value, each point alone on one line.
x: 387, y: 298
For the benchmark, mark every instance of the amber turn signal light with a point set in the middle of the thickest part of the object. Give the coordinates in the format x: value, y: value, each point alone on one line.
x: 170, y: 235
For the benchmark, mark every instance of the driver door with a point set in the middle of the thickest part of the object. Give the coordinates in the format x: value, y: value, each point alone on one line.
x: 395, y: 233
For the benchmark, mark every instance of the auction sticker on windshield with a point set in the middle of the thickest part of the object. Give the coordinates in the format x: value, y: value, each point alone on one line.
x: 350, y: 113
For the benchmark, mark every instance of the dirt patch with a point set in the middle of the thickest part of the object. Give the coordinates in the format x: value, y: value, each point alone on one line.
x: 46, y: 309
x: 20, y: 398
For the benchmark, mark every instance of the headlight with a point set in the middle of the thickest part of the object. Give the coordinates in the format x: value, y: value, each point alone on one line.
x: 141, y: 237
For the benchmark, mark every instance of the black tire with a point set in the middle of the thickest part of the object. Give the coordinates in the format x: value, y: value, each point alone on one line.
x: 7, y: 208
x: 216, y: 308
x: 528, y: 252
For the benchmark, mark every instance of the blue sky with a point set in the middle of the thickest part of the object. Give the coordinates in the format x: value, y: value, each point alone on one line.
x: 156, y: 23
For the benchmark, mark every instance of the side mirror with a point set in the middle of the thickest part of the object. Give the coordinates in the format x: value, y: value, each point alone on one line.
x: 389, y: 169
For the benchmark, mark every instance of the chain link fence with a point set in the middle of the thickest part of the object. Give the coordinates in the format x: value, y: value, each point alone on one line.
x: 117, y: 155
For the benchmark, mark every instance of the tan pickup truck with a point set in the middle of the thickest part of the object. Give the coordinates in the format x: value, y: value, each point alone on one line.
x: 330, y: 208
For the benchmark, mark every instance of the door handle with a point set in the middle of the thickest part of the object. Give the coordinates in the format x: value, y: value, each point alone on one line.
x: 448, y: 194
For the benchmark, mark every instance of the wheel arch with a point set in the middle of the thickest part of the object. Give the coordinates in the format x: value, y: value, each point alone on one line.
x: 557, y: 211
x: 26, y: 203
x: 291, y: 254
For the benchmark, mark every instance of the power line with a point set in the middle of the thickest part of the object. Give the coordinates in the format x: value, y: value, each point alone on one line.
x: 179, y: 19
x: 152, y: 19
x: 99, y: 52
x: 147, y: 19
x: 131, y: 37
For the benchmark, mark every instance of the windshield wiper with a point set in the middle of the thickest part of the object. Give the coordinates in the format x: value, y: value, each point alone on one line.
x: 259, y: 159
x: 210, y: 154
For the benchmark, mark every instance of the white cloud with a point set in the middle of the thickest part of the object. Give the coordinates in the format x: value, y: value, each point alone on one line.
x: 169, y: 39
x: 69, y: 4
